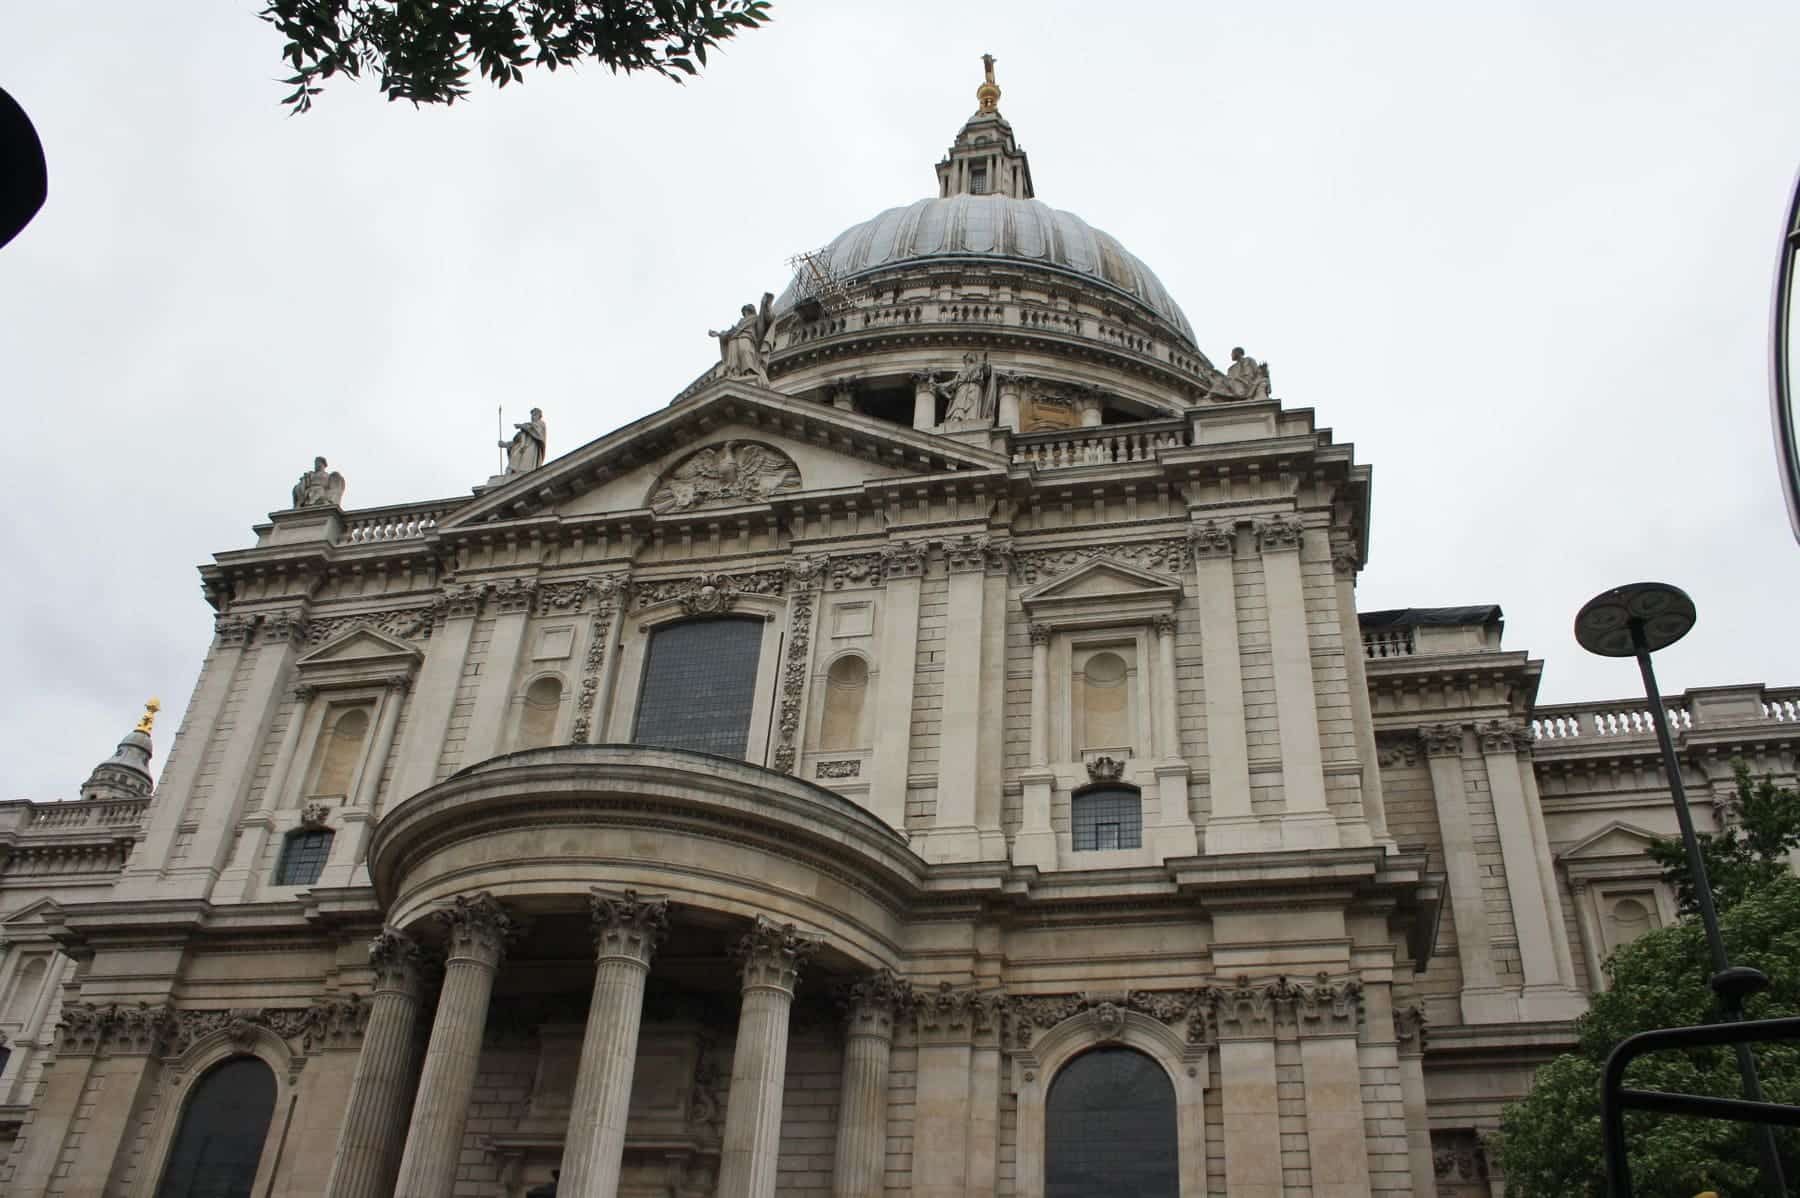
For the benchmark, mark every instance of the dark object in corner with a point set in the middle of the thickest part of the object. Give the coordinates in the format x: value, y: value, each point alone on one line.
x: 24, y: 181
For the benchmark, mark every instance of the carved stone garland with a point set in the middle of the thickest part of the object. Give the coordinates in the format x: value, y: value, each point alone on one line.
x: 1166, y: 556
x: 607, y: 591
x: 165, y: 1031
x: 793, y: 671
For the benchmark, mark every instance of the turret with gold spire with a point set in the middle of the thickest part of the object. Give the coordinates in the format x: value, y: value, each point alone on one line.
x: 985, y: 159
x: 126, y: 774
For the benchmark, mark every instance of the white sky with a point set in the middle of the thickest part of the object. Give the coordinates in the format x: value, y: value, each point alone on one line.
x: 1520, y: 256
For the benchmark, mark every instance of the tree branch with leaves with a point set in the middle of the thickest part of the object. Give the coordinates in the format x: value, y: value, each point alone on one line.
x: 425, y: 50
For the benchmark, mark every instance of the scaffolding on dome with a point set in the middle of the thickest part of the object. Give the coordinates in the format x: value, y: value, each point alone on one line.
x: 818, y: 289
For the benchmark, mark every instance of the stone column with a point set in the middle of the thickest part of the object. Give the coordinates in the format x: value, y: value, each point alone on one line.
x: 1009, y: 400
x: 1482, y: 999
x: 870, y: 1006
x: 1547, y: 994
x: 1409, y: 1031
x: 1306, y: 821
x: 1336, y: 1139
x: 1249, y: 1106
x: 1173, y: 834
x: 770, y: 956
x: 434, y: 691
x: 381, y: 1090
x: 488, y: 732
x: 902, y: 568
x: 478, y: 930
x: 627, y: 930
x: 924, y: 401
x: 1232, y: 827
x: 1344, y: 565
x: 1035, y: 842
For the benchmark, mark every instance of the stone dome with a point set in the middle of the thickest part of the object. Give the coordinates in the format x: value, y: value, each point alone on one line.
x: 999, y: 228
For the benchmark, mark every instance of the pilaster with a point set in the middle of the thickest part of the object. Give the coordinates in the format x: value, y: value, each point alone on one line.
x: 1231, y: 827
x: 1306, y: 820
x: 434, y: 692
x: 1482, y: 999
x: 957, y: 1032
x: 902, y: 567
x: 953, y: 836
x: 494, y: 700
x: 1035, y: 842
x: 1344, y: 565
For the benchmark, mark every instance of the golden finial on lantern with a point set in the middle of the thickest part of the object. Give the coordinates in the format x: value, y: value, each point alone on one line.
x: 987, y: 96
x: 150, y: 709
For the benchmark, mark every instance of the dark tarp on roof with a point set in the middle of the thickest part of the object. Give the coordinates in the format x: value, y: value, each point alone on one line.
x: 1412, y: 617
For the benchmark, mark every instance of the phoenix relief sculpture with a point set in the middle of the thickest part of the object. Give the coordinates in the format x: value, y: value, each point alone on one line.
x: 727, y: 473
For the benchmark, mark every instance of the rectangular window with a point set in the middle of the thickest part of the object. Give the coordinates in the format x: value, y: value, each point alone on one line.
x: 1111, y: 818
x: 700, y: 686
x: 978, y: 178
x: 303, y: 858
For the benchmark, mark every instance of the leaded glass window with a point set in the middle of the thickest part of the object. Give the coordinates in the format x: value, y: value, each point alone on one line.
x: 1109, y: 1128
x: 220, y: 1141
x: 303, y: 858
x: 699, y: 686
x: 1107, y: 818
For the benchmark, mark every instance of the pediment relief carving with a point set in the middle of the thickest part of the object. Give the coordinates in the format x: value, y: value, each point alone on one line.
x: 359, y: 656
x: 1610, y: 843
x: 1105, y: 589
x: 725, y: 474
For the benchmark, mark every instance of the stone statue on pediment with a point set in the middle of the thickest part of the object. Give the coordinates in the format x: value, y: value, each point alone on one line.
x: 319, y: 487
x: 973, y: 392
x: 530, y: 439
x: 741, y: 349
x: 1245, y: 378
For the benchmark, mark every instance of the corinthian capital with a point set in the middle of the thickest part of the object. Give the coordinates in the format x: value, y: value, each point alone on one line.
x: 1442, y: 740
x: 1211, y: 539
x: 771, y: 954
x: 398, y: 960
x: 1278, y: 533
x: 872, y: 1001
x: 478, y: 927
x: 1504, y: 736
x: 627, y: 925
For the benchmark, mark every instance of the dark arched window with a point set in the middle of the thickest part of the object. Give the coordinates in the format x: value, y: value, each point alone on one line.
x: 220, y: 1140
x: 1107, y: 817
x: 1109, y: 1128
x: 303, y: 857
x: 699, y: 686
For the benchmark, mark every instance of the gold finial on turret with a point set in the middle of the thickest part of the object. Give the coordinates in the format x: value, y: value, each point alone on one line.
x: 987, y: 96
x: 150, y: 709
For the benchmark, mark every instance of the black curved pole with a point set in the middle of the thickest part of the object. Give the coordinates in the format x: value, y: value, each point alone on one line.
x: 1781, y: 384
x: 24, y: 179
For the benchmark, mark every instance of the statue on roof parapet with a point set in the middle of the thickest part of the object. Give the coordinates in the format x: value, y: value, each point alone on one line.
x: 741, y: 348
x: 972, y: 392
x: 319, y: 487
x: 526, y: 451
x: 1245, y: 378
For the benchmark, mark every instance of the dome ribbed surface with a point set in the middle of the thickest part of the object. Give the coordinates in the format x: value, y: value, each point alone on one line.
x: 1004, y: 229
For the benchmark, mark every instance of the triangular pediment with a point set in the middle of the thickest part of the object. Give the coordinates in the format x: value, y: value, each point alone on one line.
x: 28, y: 916
x: 1102, y: 590
x: 1610, y: 843
x: 360, y: 649
x: 730, y: 445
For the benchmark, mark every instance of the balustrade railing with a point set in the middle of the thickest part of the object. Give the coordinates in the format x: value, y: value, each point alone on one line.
x: 87, y: 813
x: 1782, y: 705
x: 395, y: 523
x: 1628, y: 717
x: 1101, y: 445
x: 1388, y: 642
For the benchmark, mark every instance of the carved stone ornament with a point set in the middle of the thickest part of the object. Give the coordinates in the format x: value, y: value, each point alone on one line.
x: 1442, y: 740
x: 951, y: 1013
x: 1504, y: 736
x: 1041, y: 634
x: 1211, y: 539
x: 404, y: 623
x: 708, y: 594
x: 334, y: 1022
x: 871, y: 1003
x: 1163, y: 623
x: 1278, y: 533
x: 1105, y: 769
x: 771, y: 954
x: 628, y: 925
x: 1109, y: 1023
x: 848, y: 768
x: 793, y: 678
x: 1393, y: 753
x: 1323, y: 1006
x: 315, y: 815
x: 903, y: 559
x: 281, y: 628
x: 118, y: 1028
x: 232, y: 631
x: 855, y: 570
x: 478, y: 927
x: 1187, y: 1009
x: 1165, y: 556
x: 399, y: 962
x: 966, y: 553
x: 1410, y: 1027
x: 515, y: 595
x: 732, y: 472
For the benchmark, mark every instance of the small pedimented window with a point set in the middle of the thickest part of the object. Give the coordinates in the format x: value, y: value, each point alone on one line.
x: 303, y: 856
x: 1106, y: 817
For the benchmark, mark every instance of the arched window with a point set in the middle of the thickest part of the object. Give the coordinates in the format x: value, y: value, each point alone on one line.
x: 1109, y: 1128
x: 699, y: 686
x: 1107, y: 817
x: 537, y: 722
x: 220, y: 1141
x: 303, y: 857
x: 846, y: 688
x: 340, y: 750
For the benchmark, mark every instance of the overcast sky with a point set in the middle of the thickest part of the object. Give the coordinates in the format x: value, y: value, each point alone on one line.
x: 1521, y: 257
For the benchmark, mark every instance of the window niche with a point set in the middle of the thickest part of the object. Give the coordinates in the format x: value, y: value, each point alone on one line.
x: 540, y: 713
x: 344, y: 731
x: 842, y: 725
x: 1616, y: 893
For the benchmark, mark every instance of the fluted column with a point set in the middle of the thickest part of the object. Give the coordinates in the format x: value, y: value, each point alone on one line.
x: 769, y: 956
x: 925, y: 401
x: 627, y: 930
x: 478, y: 929
x: 869, y: 1009
x: 381, y: 1090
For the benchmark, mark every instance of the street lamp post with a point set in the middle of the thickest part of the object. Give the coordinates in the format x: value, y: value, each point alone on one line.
x: 1635, y: 621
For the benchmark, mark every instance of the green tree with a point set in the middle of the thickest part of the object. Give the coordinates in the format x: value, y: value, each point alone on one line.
x: 423, y: 50
x: 1550, y: 1143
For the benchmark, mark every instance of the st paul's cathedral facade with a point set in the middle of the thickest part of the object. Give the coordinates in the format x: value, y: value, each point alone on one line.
x: 938, y: 754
